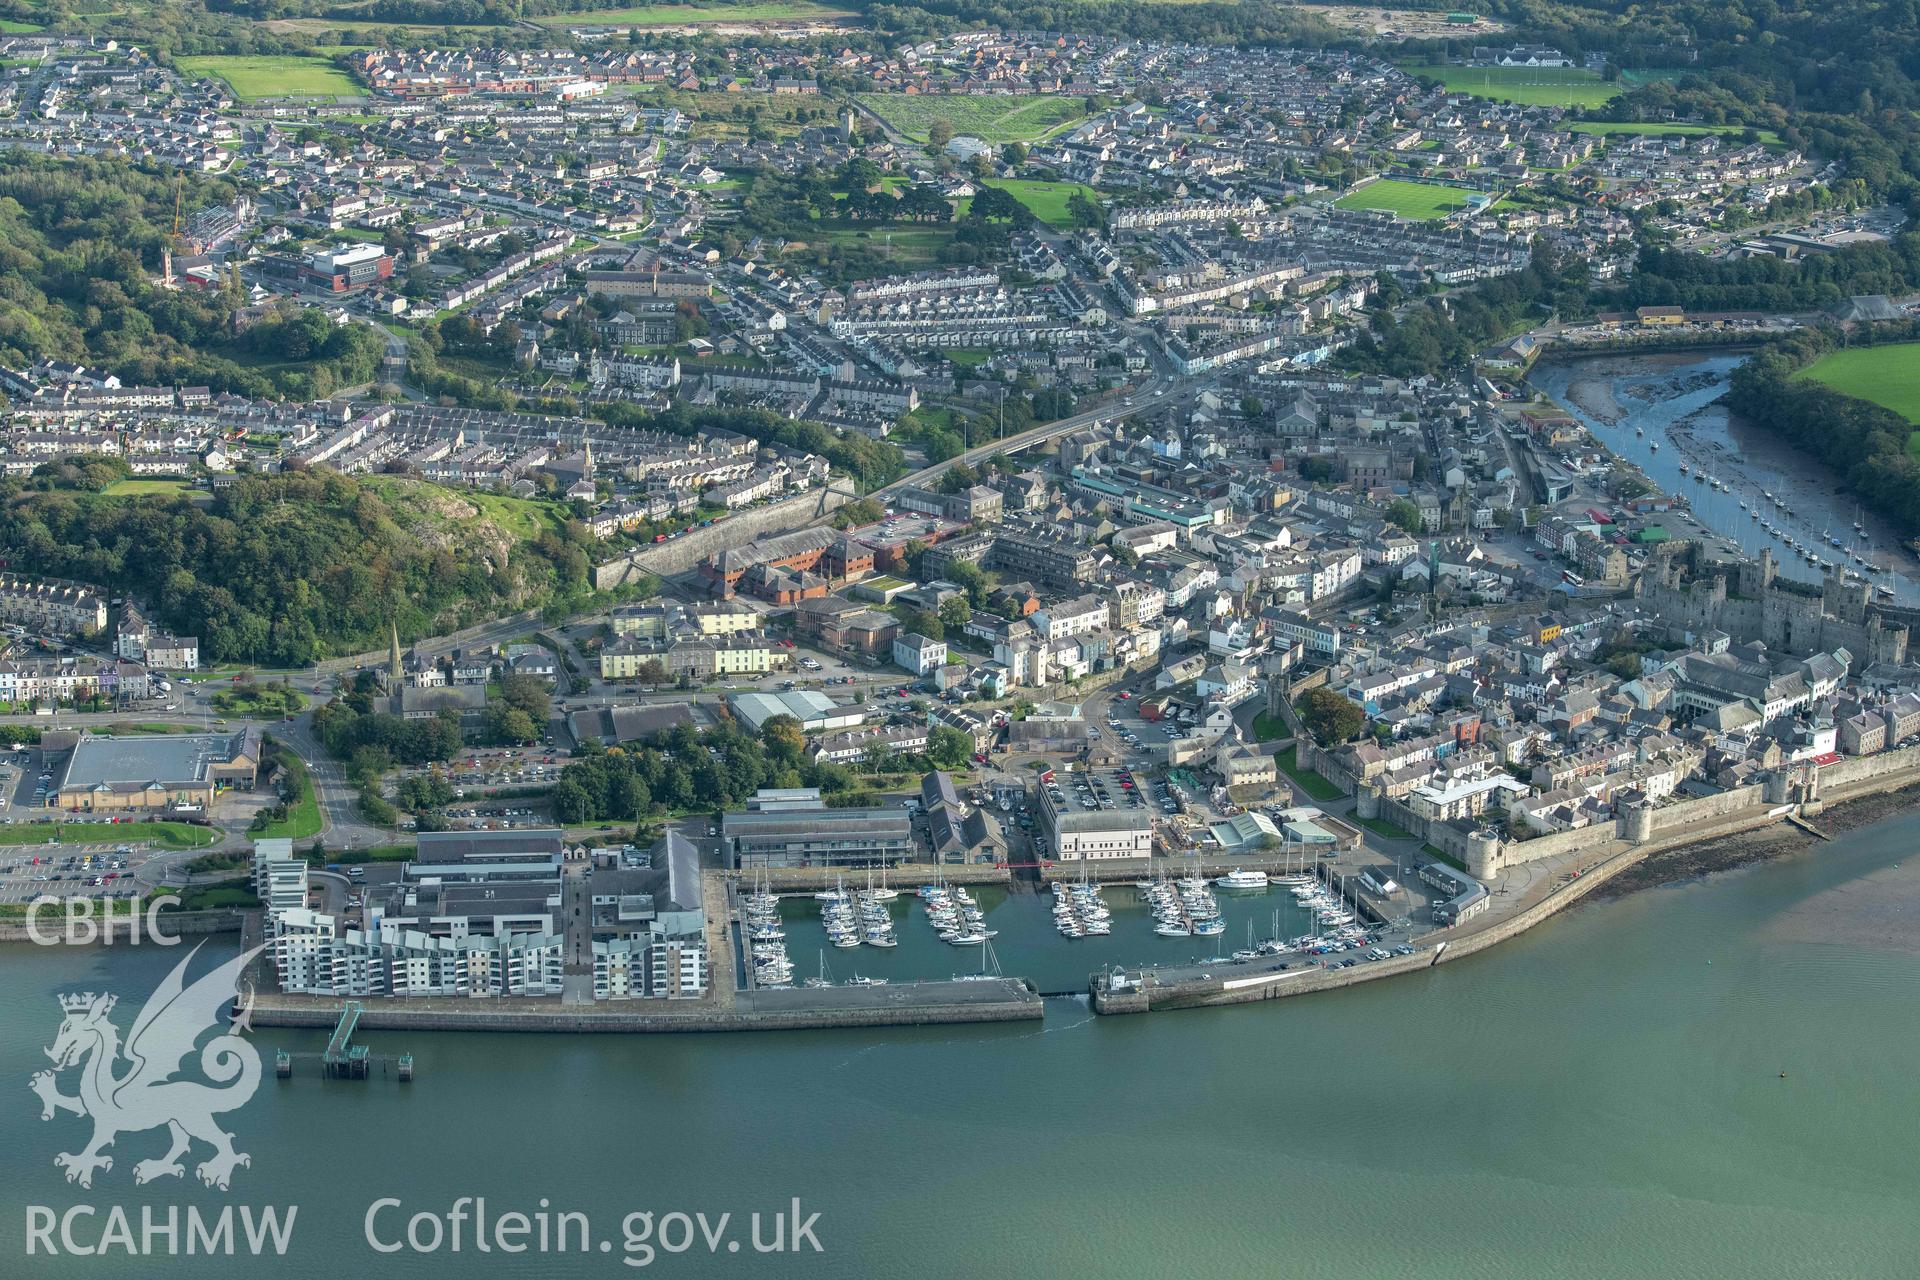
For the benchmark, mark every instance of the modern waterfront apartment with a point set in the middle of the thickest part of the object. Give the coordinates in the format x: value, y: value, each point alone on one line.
x: 479, y: 913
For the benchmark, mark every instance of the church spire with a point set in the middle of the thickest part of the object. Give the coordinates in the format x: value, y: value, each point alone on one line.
x: 394, y: 669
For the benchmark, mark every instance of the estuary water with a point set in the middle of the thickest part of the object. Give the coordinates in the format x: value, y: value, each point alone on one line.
x: 1661, y: 413
x: 1711, y: 1079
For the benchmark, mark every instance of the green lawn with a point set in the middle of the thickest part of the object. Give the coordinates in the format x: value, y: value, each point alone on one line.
x: 12, y: 26
x: 263, y: 76
x: 303, y: 814
x: 268, y: 700
x: 1416, y: 200
x: 681, y: 15
x: 1381, y: 827
x: 145, y: 488
x: 908, y: 246
x: 1529, y: 86
x: 1270, y: 728
x: 167, y: 835
x: 1047, y: 201
x: 1650, y: 129
x: 373, y: 853
x: 991, y: 118
x: 1888, y: 375
x: 1309, y: 781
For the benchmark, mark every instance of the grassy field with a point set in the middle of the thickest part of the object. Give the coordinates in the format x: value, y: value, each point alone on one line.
x: 1887, y: 375
x: 1047, y: 201
x: 274, y: 77
x: 1270, y: 728
x: 1530, y: 86
x: 166, y: 835
x: 1309, y: 781
x: 145, y: 488
x: 303, y: 813
x: 521, y: 517
x: 421, y: 32
x: 908, y: 246
x: 1651, y: 129
x: 268, y: 700
x: 1422, y: 200
x: 1008, y: 118
x: 682, y: 15
x: 15, y: 27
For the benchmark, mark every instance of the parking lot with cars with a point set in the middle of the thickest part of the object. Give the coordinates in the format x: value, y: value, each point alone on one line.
x: 69, y: 871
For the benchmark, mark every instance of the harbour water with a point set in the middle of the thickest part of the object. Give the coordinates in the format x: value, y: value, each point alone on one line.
x: 1027, y: 944
x: 1712, y: 1079
x: 1659, y: 412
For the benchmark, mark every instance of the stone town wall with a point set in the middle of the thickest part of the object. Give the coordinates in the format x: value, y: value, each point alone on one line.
x: 169, y: 924
x: 677, y: 555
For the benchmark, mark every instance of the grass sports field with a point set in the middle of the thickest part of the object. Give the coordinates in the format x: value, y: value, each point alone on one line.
x: 682, y: 15
x: 1888, y: 375
x: 1529, y: 86
x: 1422, y: 200
x: 994, y: 118
x: 255, y: 77
x: 1047, y: 201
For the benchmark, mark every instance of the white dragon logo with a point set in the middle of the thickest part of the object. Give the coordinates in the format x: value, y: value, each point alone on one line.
x: 147, y: 1096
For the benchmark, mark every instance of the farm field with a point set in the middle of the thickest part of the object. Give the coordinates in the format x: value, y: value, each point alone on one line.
x: 1529, y: 86
x: 1421, y: 200
x: 1000, y: 118
x: 1653, y: 129
x: 273, y: 76
x: 1887, y: 375
x: 682, y: 15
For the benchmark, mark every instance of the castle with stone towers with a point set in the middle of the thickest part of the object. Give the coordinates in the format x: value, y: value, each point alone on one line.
x: 1754, y: 603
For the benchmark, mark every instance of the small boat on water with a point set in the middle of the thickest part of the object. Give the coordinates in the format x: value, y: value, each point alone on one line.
x: 1238, y: 879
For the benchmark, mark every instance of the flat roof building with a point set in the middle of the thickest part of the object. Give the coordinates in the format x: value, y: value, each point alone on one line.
x: 791, y: 836
x: 1102, y: 833
x: 157, y: 771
